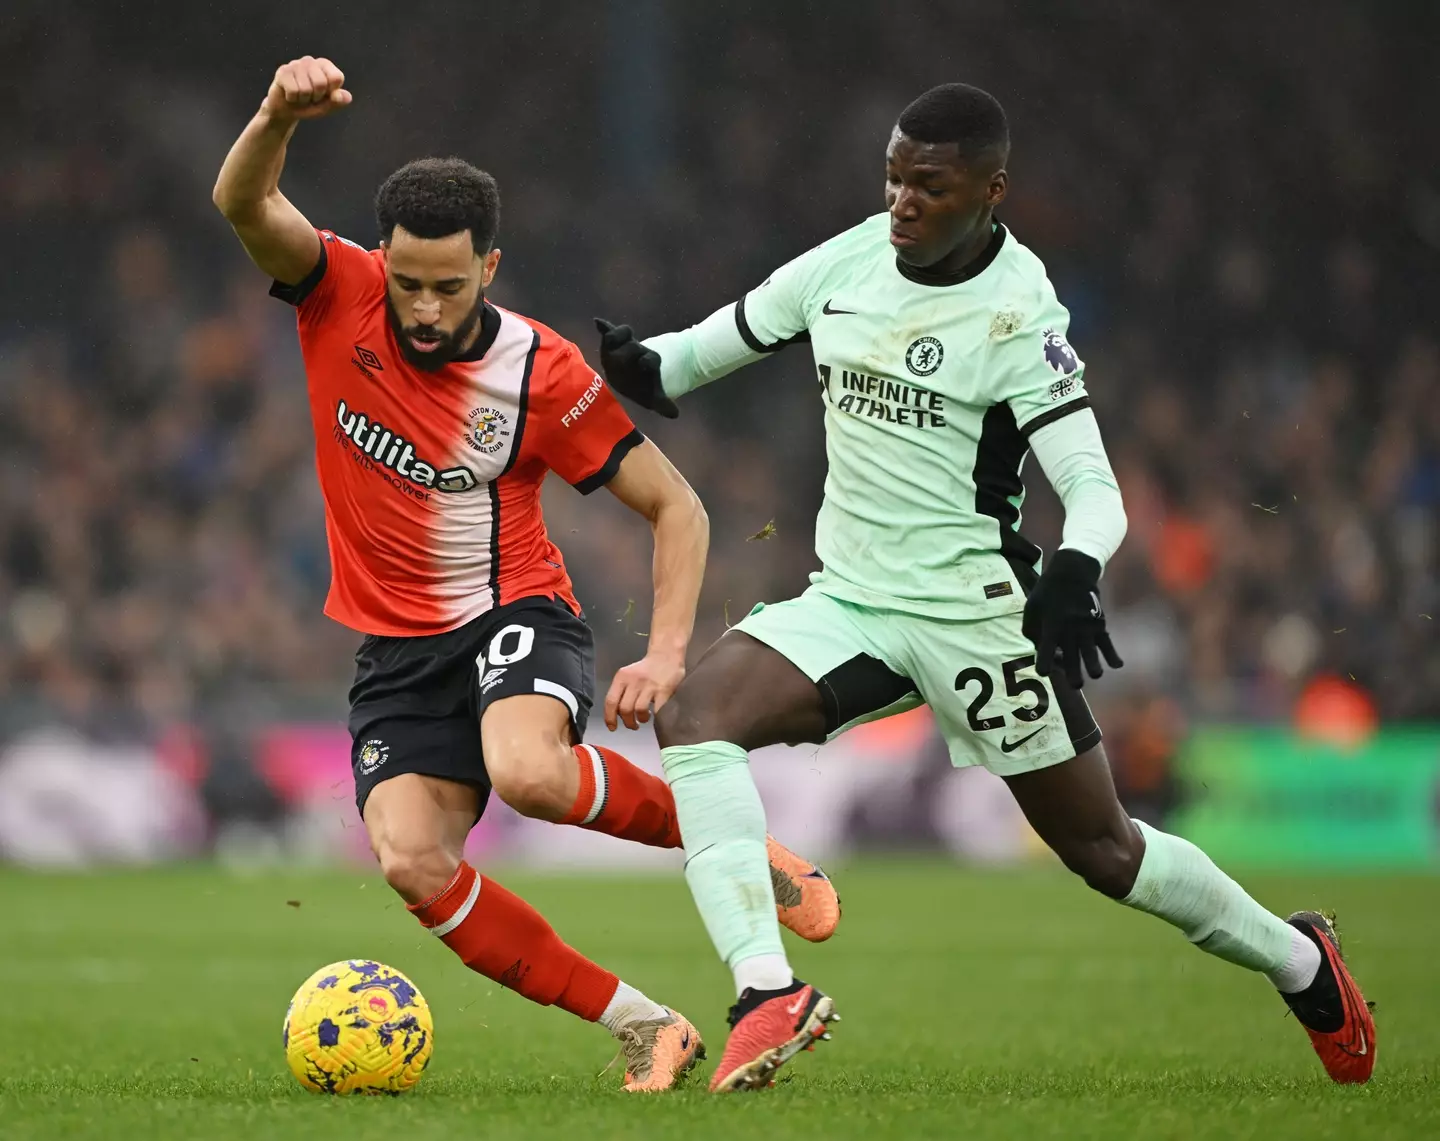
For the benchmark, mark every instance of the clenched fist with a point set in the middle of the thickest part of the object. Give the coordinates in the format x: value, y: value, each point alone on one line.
x: 306, y: 88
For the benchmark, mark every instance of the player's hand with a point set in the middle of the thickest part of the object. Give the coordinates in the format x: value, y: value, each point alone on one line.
x: 306, y: 88
x: 1065, y: 620
x: 633, y: 370
x: 641, y: 687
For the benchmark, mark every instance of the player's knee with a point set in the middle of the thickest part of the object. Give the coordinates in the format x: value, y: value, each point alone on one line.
x: 416, y: 870
x: 669, y: 722
x: 534, y: 779
x: 531, y: 794
x: 1109, y: 865
x: 686, y: 720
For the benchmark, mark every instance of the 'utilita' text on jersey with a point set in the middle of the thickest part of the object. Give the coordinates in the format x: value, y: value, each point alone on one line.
x: 431, y: 480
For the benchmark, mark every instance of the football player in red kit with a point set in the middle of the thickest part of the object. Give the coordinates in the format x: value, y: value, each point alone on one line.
x: 437, y: 416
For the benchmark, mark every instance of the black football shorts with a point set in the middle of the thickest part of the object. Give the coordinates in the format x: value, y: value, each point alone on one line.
x: 416, y: 703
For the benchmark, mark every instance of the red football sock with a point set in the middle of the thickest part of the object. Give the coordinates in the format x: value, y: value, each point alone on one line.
x: 500, y: 935
x: 623, y: 801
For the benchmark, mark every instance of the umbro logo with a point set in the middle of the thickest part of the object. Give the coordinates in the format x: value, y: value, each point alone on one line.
x: 836, y: 312
x: 367, y: 362
x: 492, y: 678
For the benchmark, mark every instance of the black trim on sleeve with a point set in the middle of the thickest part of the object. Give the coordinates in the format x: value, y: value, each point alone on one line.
x: 1049, y: 416
x: 296, y: 294
x: 628, y: 443
x: 747, y: 334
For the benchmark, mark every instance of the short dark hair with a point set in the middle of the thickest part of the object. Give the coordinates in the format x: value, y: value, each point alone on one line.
x: 960, y: 114
x: 436, y: 197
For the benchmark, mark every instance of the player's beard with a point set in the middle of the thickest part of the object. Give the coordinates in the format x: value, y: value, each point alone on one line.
x: 450, y: 344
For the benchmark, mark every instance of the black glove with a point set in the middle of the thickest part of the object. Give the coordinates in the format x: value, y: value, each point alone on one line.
x: 1064, y: 619
x: 633, y: 370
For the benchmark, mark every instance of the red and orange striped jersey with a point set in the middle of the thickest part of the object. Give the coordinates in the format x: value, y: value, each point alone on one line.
x: 431, y: 480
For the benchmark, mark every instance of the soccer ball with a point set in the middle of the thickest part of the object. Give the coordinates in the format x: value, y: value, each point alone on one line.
x: 358, y: 1027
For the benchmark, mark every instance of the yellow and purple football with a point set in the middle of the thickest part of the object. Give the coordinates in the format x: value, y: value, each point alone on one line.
x: 358, y: 1027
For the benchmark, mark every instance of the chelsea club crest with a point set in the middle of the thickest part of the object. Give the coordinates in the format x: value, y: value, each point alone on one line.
x: 924, y: 355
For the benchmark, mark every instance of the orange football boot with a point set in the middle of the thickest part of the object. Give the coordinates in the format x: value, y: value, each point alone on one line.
x: 1332, y: 1009
x: 805, y: 899
x: 767, y: 1033
x: 659, y: 1052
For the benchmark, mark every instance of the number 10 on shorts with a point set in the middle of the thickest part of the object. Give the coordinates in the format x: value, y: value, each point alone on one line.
x: 511, y: 644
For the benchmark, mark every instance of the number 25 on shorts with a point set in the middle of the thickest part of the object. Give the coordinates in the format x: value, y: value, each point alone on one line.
x: 1015, y: 686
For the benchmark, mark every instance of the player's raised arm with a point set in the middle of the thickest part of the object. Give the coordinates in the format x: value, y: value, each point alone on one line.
x: 1043, y: 381
x: 767, y: 319
x: 648, y: 484
x: 275, y: 234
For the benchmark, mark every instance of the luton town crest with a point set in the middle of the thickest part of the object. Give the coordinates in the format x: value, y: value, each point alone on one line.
x: 489, y: 429
x: 373, y: 754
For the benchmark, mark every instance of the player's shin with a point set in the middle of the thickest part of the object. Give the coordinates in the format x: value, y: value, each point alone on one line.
x: 727, y: 867
x: 1179, y: 883
x: 502, y: 937
x: 623, y: 801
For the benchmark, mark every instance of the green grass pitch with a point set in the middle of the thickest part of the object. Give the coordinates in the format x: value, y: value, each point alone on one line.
x: 975, y: 1005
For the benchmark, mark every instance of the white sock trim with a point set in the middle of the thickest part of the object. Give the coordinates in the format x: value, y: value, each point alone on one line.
x: 628, y: 1005
x: 1300, y: 967
x: 762, y: 972
x: 597, y: 767
x: 440, y: 930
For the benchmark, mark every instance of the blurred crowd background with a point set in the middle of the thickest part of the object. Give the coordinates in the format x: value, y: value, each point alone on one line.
x: 1234, y: 200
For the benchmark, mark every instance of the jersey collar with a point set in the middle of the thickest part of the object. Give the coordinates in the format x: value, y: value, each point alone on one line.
x: 971, y: 269
x: 489, y: 330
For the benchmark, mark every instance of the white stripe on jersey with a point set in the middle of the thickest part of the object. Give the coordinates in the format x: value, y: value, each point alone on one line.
x: 464, y: 537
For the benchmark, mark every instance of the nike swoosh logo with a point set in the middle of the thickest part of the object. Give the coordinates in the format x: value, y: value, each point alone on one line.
x: 1011, y: 746
x: 799, y: 1005
x: 836, y: 312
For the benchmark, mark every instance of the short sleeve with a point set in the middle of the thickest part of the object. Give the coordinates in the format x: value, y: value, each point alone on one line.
x: 1033, y: 369
x: 777, y: 312
x: 343, y: 268
x: 584, y: 433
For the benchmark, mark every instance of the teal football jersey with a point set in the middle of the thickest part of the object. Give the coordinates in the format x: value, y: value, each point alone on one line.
x: 930, y: 392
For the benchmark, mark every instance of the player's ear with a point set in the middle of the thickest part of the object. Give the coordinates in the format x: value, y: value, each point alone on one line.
x: 488, y: 265
x: 998, y: 188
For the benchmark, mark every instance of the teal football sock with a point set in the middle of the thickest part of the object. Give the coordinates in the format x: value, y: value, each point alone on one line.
x: 1180, y: 884
x: 726, y: 866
